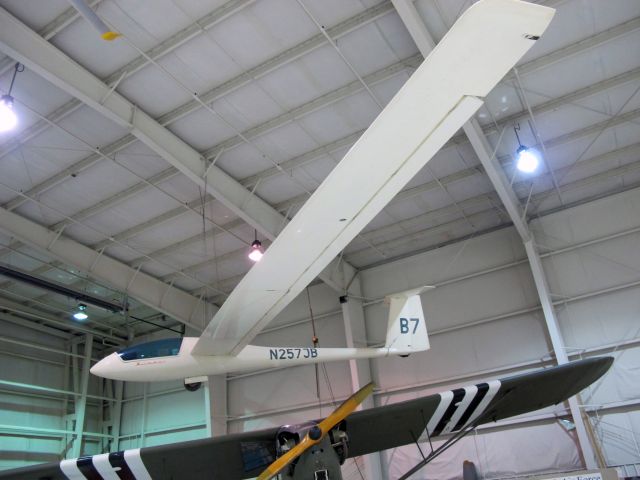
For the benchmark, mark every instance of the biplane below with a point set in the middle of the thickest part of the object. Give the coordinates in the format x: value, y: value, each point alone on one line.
x: 315, y: 450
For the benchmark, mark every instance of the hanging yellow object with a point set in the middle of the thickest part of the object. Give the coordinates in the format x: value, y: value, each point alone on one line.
x: 108, y: 36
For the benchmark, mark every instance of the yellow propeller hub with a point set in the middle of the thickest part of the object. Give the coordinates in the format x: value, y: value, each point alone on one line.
x: 318, y: 432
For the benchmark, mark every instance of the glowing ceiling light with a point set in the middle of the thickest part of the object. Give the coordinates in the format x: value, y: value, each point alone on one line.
x: 80, y: 313
x: 8, y: 118
x: 256, y: 251
x: 527, y: 159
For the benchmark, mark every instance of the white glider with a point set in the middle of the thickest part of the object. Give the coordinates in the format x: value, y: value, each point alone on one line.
x: 443, y: 93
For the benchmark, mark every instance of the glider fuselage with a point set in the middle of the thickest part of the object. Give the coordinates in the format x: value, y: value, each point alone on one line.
x: 172, y: 361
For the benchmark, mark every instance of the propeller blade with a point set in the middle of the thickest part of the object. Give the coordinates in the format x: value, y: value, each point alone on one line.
x: 344, y: 410
x: 317, y: 433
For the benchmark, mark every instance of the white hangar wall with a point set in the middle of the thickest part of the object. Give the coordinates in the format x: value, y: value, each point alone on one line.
x: 484, y: 323
x: 37, y: 407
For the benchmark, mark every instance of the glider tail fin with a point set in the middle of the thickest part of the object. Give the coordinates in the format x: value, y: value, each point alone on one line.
x: 407, y: 328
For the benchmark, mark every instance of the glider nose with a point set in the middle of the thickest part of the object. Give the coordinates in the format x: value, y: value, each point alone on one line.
x: 105, y: 367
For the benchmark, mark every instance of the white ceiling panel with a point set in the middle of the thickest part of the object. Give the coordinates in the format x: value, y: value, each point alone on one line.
x: 579, y: 19
x: 147, y: 22
x: 88, y: 187
x: 263, y: 30
x: 35, y: 18
x: 339, y: 120
x: 141, y: 160
x: 91, y: 128
x: 40, y: 213
x: 198, y: 8
x: 180, y: 188
x: 396, y: 36
x: 170, y: 232
x: 317, y: 73
x: 280, y: 188
x: 331, y: 12
x: 153, y: 91
x: 131, y: 212
x: 247, y: 106
x: 286, y: 142
x: 206, y: 61
x: 82, y: 42
x: 367, y: 50
x: 243, y: 161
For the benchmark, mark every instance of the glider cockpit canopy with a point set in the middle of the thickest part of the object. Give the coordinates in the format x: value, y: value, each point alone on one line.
x: 167, y: 347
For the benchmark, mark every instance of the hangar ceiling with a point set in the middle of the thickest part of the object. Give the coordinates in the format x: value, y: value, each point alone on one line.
x: 266, y: 97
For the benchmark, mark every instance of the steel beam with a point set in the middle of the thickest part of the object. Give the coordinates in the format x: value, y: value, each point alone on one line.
x: 316, y: 104
x: 81, y: 403
x: 579, y: 47
x: 490, y: 197
x: 309, y: 156
x: 147, y: 289
x: 116, y: 415
x: 47, y: 32
x: 21, y: 43
x: 229, y: 86
x: 18, y: 41
x: 559, y: 349
x: 167, y: 46
x: 276, y: 62
x: 360, y: 370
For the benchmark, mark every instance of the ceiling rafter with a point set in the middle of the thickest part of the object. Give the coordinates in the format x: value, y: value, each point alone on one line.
x: 296, y: 162
x: 400, y: 240
x: 169, y: 173
x: 50, y: 30
x: 163, y: 297
x: 521, y: 188
x: 160, y: 50
x: 331, y: 96
x: 219, y: 91
x: 272, y: 64
x: 20, y: 42
x: 316, y: 104
x: 417, y: 189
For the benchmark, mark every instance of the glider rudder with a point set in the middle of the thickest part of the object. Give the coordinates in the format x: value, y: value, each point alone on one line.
x: 407, y: 328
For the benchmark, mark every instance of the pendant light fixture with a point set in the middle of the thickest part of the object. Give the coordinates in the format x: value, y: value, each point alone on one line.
x: 256, y: 251
x: 527, y: 159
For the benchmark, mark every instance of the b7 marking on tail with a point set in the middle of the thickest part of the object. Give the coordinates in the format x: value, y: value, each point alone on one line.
x: 404, y: 325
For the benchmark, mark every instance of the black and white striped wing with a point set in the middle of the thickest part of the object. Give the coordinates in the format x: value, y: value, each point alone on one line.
x: 244, y: 455
x: 403, y: 423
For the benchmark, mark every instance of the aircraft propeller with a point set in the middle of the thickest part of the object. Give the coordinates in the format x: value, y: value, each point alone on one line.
x: 318, y: 432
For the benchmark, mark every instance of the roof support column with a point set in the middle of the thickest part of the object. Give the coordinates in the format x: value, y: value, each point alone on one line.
x: 215, y: 403
x: 585, y: 440
x: 360, y: 370
x: 425, y: 43
x: 115, y: 414
x: 81, y: 400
